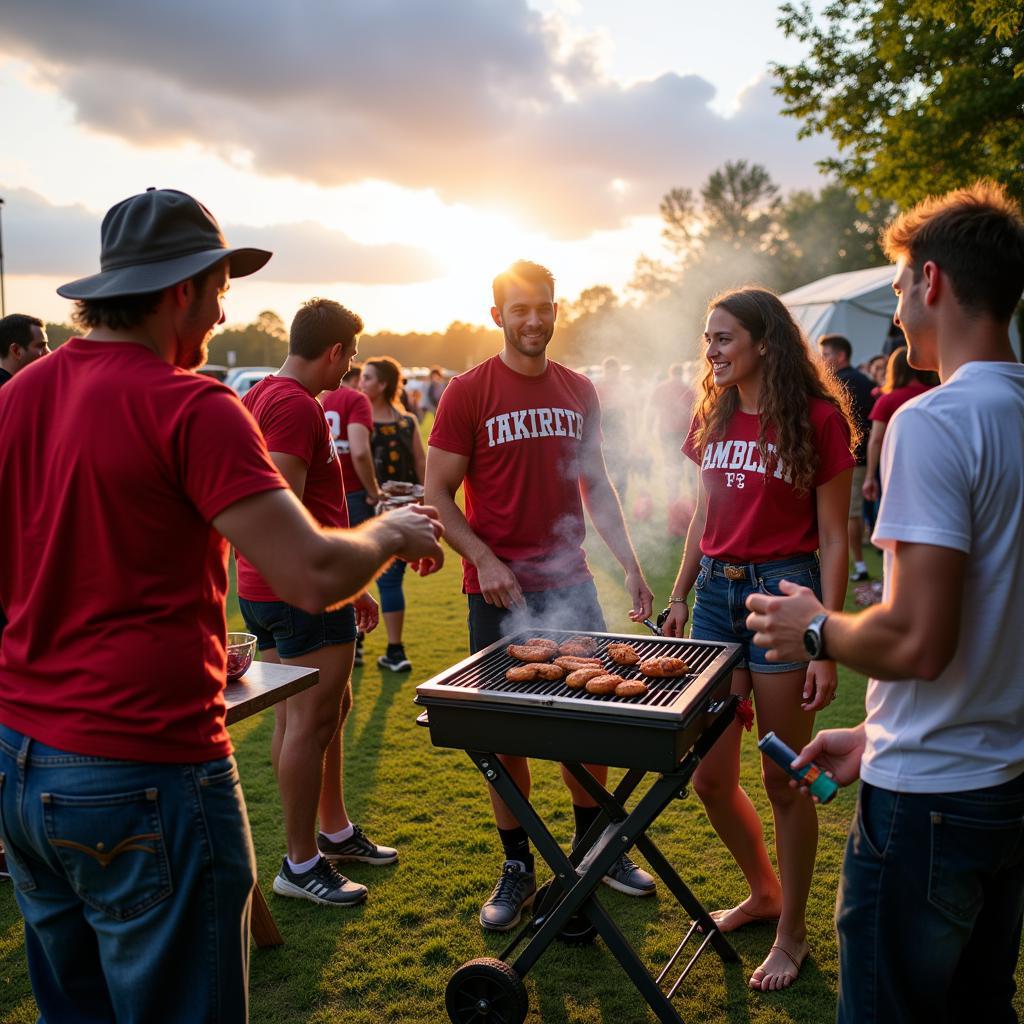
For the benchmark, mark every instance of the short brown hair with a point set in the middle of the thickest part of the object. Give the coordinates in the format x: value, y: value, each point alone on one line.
x: 319, y: 324
x: 16, y: 329
x: 521, y: 271
x: 836, y: 342
x: 123, y: 312
x: 976, y: 236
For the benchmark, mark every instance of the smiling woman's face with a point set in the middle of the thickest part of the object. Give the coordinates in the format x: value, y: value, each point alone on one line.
x: 734, y: 356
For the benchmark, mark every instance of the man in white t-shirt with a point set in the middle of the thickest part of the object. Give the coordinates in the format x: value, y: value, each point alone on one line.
x: 932, y: 891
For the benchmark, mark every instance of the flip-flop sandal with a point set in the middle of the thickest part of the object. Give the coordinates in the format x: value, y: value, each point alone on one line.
x: 792, y: 959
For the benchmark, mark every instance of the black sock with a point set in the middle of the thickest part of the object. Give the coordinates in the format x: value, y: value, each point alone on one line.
x: 585, y: 817
x: 395, y: 650
x: 517, y: 845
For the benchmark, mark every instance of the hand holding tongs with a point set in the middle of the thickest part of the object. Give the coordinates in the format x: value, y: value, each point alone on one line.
x: 655, y: 627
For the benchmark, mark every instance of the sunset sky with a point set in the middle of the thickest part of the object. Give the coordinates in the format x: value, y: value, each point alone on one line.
x: 395, y: 154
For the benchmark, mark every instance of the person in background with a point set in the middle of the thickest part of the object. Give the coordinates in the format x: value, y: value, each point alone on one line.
x: 22, y: 341
x: 350, y: 417
x: 672, y: 406
x: 836, y: 352
x: 616, y: 409
x: 435, y: 388
x: 397, y: 455
x: 307, y: 746
x: 774, y: 438
x: 931, y: 896
x: 522, y: 433
x: 121, y: 810
x: 876, y: 371
x: 902, y: 383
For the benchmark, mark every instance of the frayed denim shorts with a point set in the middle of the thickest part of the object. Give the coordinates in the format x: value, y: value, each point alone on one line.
x: 720, y: 609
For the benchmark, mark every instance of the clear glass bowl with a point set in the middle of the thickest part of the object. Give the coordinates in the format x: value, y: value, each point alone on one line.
x: 241, y: 651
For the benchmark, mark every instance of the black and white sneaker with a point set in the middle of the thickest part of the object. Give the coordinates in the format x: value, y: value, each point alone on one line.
x: 514, y: 891
x: 628, y: 877
x: 395, y: 661
x: 358, y: 847
x: 358, y: 658
x: 322, y: 884
x: 859, y: 577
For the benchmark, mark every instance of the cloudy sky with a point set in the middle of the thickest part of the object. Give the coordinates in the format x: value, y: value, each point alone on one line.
x: 394, y: 154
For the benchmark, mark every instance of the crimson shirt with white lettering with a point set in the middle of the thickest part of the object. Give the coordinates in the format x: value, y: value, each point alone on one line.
x: 523, y: 437
x: 113, y: 467
x: 293, y: 423
x: 758, y: 517
x: 343, y: 407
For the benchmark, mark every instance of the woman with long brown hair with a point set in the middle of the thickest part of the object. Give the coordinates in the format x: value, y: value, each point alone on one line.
x: 397, y: 455
x: 773, y: 436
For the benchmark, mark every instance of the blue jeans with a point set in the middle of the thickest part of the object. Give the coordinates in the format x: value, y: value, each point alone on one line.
x: 720, y: 608
x: 134, y: 880
x: 389, y: 583
x: 930, y: 906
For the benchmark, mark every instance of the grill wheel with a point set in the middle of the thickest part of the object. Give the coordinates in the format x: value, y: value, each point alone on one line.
x: 486, y: 991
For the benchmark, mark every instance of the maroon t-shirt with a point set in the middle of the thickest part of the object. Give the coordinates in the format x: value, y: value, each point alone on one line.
x: 293, y: 423
x: 342, y: 407
x: 113, y: 466
x: 754, y: 516
x: 889, y: 401
x: 523, y: 438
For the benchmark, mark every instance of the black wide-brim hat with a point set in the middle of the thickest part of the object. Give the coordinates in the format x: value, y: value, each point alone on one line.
x: 157, y: 239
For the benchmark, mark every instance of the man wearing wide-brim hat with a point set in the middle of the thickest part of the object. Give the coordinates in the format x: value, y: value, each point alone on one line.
x: 120, y: 807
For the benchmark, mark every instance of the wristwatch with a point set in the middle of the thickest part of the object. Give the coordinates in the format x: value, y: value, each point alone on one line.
x: 814, y: 638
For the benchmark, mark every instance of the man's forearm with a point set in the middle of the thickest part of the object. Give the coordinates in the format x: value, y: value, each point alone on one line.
x: 345, y: 562
x: 363, y: 465
x: 878, y: 643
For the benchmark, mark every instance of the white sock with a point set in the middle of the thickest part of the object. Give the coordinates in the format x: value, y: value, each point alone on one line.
x: 340, y: 837
x: 859, y: 567
x: 303, y: 866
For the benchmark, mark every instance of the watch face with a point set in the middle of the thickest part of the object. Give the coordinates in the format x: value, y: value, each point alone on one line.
x: 812, y: 642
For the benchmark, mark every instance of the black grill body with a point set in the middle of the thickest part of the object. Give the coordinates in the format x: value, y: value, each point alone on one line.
x: 473, y: 706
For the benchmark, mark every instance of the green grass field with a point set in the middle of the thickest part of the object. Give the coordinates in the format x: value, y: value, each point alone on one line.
x: 389, y: 960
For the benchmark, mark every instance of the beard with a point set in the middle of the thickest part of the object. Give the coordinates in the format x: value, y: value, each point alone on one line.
x: 532, y: 347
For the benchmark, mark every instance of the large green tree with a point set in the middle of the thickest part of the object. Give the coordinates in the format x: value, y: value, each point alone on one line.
x: 920, y: 96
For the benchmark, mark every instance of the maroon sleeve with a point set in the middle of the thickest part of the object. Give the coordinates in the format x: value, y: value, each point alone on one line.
x: 882, y: 410
x: 220, y: 453
x: 834, y: 453
x: 455, y: 426
x: 291, y: 425
x: 690, y: 444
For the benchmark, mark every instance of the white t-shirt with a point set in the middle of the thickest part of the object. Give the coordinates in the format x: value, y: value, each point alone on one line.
x: 953, y: 476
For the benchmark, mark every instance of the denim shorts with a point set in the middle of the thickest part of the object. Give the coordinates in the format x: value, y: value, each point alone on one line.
x: 720, y: 609
x: 295, y: 632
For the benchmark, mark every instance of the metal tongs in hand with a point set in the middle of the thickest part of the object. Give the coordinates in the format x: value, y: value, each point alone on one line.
x: 655, y: 627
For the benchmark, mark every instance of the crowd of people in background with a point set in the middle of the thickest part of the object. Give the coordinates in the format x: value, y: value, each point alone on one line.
x: 784, y: 454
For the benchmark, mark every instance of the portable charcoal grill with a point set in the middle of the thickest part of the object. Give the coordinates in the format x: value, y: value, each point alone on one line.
x: 472, y: 706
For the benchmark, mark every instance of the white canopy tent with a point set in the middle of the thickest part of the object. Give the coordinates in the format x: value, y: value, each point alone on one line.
x: 858, y: 304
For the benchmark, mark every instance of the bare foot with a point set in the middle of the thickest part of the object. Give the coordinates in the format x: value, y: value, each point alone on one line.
x: 746, y: 913
x: 780, y: 968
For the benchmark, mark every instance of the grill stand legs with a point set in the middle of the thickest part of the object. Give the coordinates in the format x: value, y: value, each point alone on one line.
x: 615, y: 832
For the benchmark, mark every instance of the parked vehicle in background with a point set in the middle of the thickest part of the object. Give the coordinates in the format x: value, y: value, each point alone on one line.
x: 215, y: 370
x: 241, y: 378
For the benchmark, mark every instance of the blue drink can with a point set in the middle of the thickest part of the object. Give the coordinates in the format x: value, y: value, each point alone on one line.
x: 810, y: 775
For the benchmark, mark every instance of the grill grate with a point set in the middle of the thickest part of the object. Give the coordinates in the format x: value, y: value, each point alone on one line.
x: 482, y: 676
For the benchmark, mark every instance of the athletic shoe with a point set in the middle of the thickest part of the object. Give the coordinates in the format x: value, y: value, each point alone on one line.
x: 859, y: 577
x: 358, y: 660
x: 356, y: 848
x: 397, y: 662
x: 625, y: 876
x: 322, y: 884
x: 514, y: 891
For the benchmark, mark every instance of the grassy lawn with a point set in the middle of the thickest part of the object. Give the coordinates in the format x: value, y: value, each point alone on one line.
x: 389, y: 960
